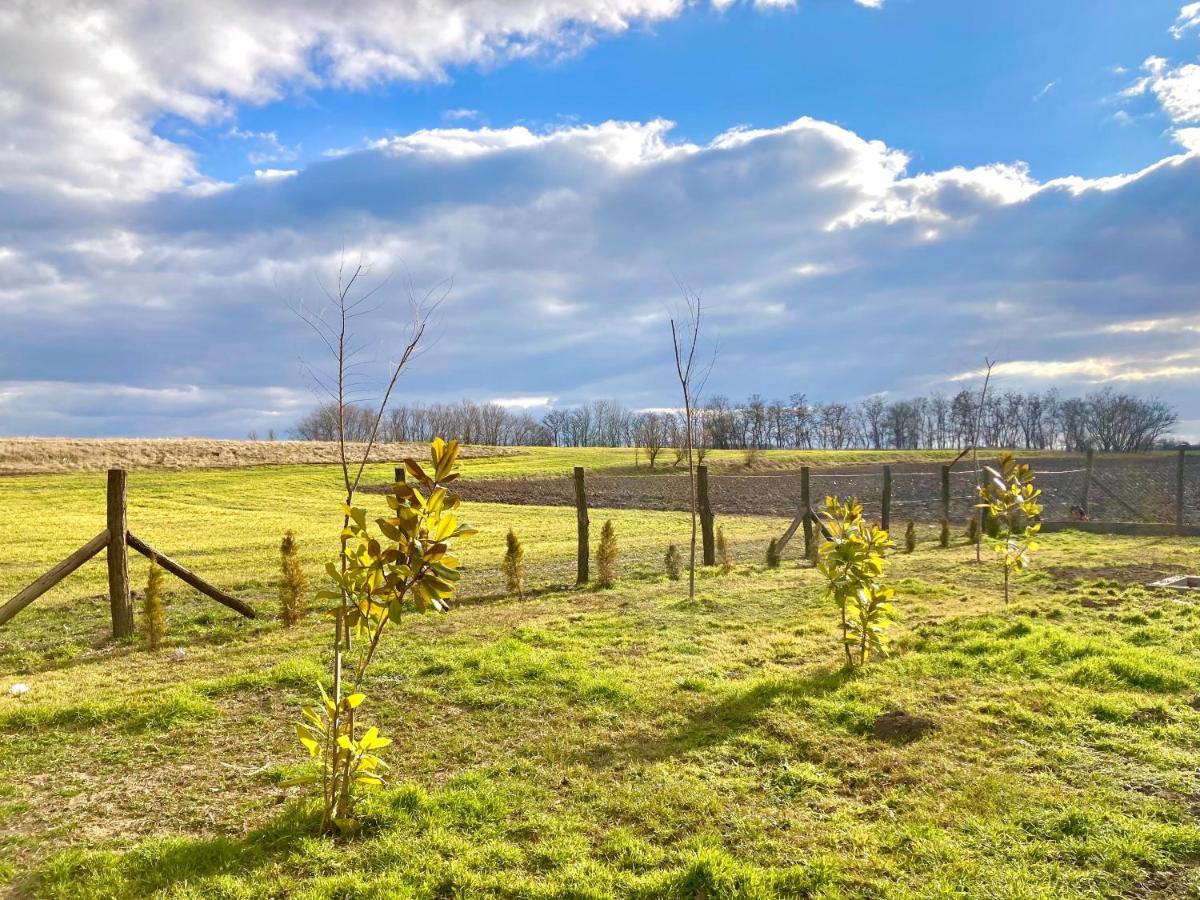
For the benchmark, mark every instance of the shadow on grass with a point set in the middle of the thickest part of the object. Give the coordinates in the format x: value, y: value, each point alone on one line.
x: 500, y: 596
x: 196, y: 625
x: 160, y: 864
x: 715, y: 723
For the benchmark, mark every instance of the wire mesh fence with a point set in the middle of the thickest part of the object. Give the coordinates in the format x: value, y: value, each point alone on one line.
x: 1134, y: 489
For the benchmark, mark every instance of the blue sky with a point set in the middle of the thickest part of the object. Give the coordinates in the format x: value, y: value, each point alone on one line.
x: 830, y: 174
x: 951, y: 83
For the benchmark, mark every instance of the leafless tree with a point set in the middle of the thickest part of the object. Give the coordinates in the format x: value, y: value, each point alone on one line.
x: 990, y: 363
x: 344, y: 375
x: 685, y: 337
x: 343, y: 378
x: 651, y: 434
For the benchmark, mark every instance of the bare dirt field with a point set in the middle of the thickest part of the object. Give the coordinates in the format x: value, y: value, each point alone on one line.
x: 33, y: 456
x: 766, y: 492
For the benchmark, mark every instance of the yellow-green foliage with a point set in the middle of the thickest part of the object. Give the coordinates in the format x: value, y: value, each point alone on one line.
x: 1010, y: 497
x: 293, y: 585
x: 853, y: 562
x: 606, y: 555
x: 910, y: 537
x: 773, y: 554
x: 513, y: 566
x: 407, y: 567
x: 673, y: 563
x: 739, y: 696
x: 154, y: 613
x: 723, y: 559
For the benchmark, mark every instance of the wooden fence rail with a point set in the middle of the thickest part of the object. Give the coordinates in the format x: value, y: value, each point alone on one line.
x: 116, y: 539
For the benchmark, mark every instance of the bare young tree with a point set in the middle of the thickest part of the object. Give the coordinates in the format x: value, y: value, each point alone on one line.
x: 990, y: 363
x: 651, y: 434
x: 685, y: 337
x: 343, y: 379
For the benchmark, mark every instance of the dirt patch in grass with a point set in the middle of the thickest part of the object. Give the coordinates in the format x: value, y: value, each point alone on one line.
x: 900, y: 727
x: 1177, y: 882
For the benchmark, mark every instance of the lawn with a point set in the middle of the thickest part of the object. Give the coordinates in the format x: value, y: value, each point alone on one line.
x: 623, y: 742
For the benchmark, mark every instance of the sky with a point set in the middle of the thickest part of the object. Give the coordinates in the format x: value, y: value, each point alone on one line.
x: 870, y: 196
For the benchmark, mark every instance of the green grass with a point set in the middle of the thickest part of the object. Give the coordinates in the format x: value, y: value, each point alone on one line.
x: 587, y: 743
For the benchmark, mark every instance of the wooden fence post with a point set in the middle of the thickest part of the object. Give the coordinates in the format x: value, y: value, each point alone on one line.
x: 400, y: 474
x: 886, y: 518
x: 1085, y: 500
x: 1179, y: 489
x: 118, y: 556
x: 117, y: 540
x: 581, y: 516
x: 945, y: 537
x: 706, y: 516
x: 806, y: 510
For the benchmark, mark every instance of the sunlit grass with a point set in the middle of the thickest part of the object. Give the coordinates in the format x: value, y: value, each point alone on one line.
x: 623, y: 742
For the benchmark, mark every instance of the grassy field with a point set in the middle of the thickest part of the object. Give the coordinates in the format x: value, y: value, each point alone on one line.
x: 31, y: 456
x: 587, y: 743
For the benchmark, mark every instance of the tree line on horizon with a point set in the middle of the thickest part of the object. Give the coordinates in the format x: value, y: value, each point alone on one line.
x: 1104, y: 420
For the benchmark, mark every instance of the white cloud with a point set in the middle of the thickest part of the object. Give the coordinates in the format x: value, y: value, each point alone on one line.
x: 1049, y: 86
x: 92, y: 84
x: 1092, y: 370
x: 271, y: 149
x: 523, y: 403
x: 564, y: 246
x: 274, y: 174
x: 1177, y: 91
x: 1189, y: 17
x: 82, y: 407
x: 1188, y: 138
x: 1175, y: 324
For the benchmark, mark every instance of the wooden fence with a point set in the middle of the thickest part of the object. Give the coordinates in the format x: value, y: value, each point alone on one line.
x: 116, y: 538
x: 1074, y: 495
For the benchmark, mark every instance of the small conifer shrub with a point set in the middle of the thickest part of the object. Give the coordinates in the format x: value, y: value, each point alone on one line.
x: 910, y: 537
x: 514, y: 566
x: 673, y: 563
x: 773, y: 554
x: 991, y: 524
x: 723, y: 559
x: 606, y: 555
x: 293, y: 586
x: 973, y: 530
x: 154, y: 614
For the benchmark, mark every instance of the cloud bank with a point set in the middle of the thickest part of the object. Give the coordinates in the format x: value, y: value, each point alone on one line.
x: 138, y: 296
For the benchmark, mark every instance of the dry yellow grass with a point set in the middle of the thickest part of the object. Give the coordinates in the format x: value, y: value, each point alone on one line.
x: 33, y: 456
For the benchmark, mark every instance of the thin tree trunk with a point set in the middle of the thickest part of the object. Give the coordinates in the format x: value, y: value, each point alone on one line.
x: 692, y: 494
x: 975, y: 445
